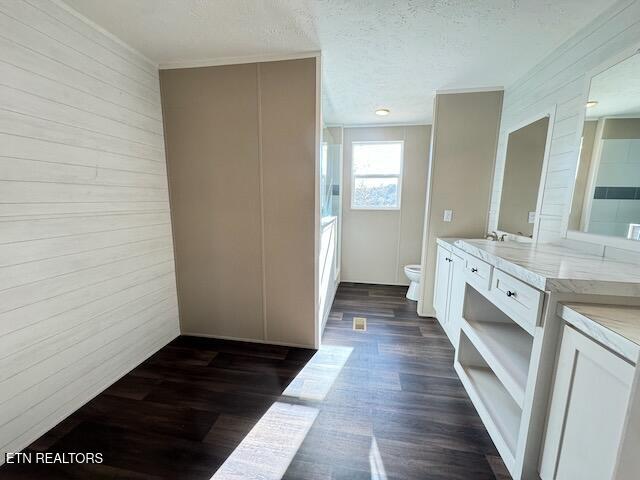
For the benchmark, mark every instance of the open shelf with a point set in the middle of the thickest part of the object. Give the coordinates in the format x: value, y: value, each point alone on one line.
x: 498, y: 410
x: 506, y: 349
x: 502, y: 343
x: 494, y: 404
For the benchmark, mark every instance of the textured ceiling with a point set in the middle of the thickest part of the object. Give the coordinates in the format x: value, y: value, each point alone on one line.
x: 390, y: 53
x: 617, y: 90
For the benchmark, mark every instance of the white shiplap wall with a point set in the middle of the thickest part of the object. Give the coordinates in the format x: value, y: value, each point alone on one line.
x: 559, y: 81
x: 87, y: 284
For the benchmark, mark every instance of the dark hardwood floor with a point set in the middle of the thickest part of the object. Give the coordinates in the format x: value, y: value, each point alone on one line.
x: 380, y: 404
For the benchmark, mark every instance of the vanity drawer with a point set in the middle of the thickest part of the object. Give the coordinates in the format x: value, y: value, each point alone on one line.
x: 520, y: 301
x: 478, y: 272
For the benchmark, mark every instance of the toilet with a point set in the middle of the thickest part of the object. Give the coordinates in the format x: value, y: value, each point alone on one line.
x: 413, y: 274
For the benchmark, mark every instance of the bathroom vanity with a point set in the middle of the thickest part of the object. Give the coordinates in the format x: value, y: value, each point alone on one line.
x: 547, y: 338
x: 546, y: 325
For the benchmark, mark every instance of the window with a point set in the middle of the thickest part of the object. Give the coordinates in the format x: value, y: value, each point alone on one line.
x: 376, y: 175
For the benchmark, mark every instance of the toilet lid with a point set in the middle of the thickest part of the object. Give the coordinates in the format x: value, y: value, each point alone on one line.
x: 414, y: 268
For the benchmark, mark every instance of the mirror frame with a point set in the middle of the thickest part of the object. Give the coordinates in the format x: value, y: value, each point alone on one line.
x: 565, y: 233
x: 550, y: 113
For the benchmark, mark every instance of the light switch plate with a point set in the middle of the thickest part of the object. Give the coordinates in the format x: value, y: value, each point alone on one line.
x: 532, y: 217
x: 448, y: 215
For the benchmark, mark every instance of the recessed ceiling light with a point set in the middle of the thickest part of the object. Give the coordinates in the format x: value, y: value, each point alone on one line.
x: 382, y: 112
x: 591, y: 103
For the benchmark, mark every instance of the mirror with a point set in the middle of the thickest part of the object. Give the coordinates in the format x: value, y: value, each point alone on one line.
x: 521, y: 182
x: 606, y: 198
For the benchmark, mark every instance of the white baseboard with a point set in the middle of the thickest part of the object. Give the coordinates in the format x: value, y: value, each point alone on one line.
x: 331, y: 298
x: 395, y: 284
x: 249, y: 340
x: 428, y: 313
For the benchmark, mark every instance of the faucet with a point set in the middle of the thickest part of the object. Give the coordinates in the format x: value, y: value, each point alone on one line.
x: 493, y: 236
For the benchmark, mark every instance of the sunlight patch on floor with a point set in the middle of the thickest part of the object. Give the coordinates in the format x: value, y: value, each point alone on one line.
x: 268, y: 449
x: 375, y: 462
x: 319, y: 374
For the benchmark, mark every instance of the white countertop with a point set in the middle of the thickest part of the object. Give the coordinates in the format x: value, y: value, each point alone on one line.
x: 447, y: 242
x: 616, y: 326
x: 557, y: 269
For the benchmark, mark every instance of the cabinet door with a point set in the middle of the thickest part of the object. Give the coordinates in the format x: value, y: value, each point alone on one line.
x: 628, y: 465
x: 456, y: 298
x: 588, y: 407
x: 441, y: 287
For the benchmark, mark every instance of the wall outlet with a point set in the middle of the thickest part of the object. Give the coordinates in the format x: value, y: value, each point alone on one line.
x: 448, y: 215
x: 532, y: 217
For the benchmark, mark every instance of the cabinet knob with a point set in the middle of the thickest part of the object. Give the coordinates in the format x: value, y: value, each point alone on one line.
x: 449, y: 260
x: 510, y: 293
x: 474, y: 270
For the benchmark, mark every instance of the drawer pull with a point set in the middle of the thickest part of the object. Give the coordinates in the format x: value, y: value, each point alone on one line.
x: 510, y: 293
x: 474, y: 270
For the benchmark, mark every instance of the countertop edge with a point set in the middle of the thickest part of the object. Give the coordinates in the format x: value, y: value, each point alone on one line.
x: 600, y: 333
x: 447, y: 242
x: 592, y: 286
x: 521, y: 273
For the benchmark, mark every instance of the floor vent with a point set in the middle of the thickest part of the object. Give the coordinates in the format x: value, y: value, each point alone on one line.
x: 360, y: 324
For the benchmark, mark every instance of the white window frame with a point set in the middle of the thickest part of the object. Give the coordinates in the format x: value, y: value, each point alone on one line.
x: 399, y: 176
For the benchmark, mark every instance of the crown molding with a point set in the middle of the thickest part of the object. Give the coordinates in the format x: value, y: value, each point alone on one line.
x: 380, y: 125
x: 448, y: 91
x: 105, y: 32
x: 213, y: 62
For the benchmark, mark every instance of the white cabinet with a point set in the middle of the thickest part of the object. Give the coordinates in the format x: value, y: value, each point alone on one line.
x: 579, y: 419
x: 449, y: 292
x: 442, y: 281
x: 588, y: 411
x: 456, y: 298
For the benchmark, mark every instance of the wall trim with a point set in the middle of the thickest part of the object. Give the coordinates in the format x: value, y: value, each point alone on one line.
x: 263, y: 260
x: 218, y: 61
x: 447, y: 91
x: 317, y: 321
x: 430, y: 314
x: 402, y: 178
x: 171, y: 197
x: 379, y: 125
x: 105, y: 32
x: 330, y: 299
x: 422, y: 309
x: 247, y: 340
x: 371, y: 282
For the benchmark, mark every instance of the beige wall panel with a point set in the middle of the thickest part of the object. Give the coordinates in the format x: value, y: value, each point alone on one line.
x: 377, y: 244
x: 288, y: 131
x: 370, y: 246
x: 414, y: 191
x: 462, y: 160
x: 211, y: 126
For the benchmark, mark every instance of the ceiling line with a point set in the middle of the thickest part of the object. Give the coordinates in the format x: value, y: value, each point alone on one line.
x: 214, y: 62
